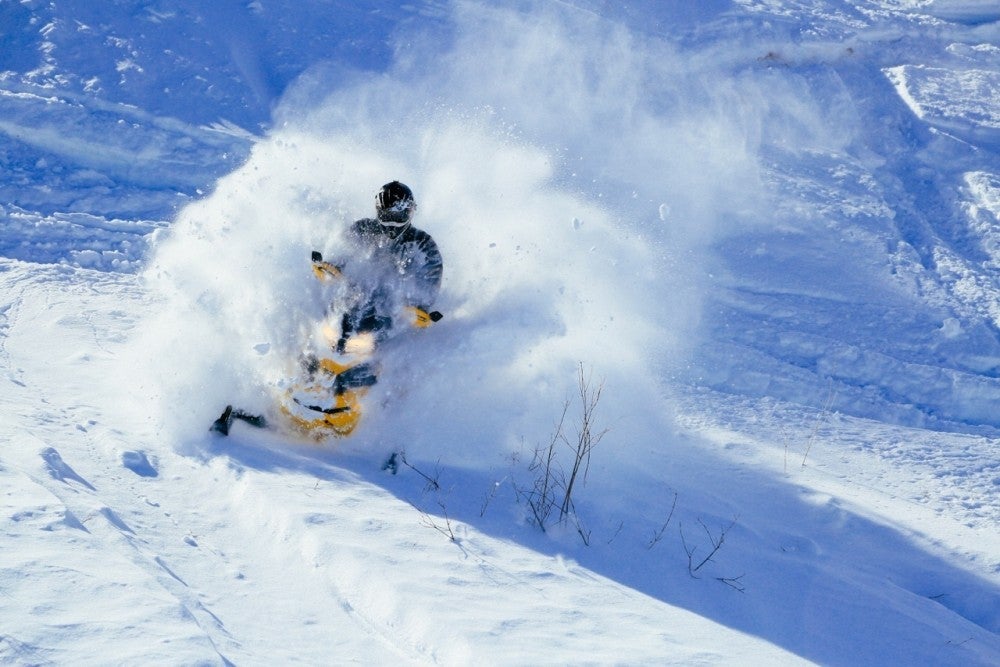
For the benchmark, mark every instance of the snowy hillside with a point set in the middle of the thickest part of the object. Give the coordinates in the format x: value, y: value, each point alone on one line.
x: 761, y: 238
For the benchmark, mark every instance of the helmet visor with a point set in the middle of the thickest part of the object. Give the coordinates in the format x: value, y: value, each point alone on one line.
x: 396, y: 218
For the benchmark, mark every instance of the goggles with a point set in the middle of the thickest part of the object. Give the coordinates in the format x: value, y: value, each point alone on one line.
x: 394, y: 224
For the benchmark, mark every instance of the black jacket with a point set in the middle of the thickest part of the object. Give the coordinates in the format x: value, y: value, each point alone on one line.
x: 410, y: 264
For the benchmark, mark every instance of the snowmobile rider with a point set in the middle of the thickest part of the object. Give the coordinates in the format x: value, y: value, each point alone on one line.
x: 402, y: 266
x: 394, y: 268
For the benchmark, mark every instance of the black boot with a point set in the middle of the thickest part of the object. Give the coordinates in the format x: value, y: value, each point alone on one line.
x: 391, y: 464
x: 257, y: 421
x: 222, y: 424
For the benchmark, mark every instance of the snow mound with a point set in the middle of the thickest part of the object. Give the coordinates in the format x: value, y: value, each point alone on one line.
x: 77, y: 239
x: 963, y: 100
x: 973, y: 12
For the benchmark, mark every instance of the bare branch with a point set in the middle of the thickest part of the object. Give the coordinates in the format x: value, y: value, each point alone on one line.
x: 658, y: 535
x: 715, y: 541
x: 446, y: 530
x: 733, y: 582
x: 621, y: 524
x: 586, y: 440
x: 819, y: 420
x: 489, y: 495
x: 432, y: 483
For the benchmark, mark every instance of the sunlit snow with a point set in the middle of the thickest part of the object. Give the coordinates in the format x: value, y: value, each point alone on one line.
x: 768, y: 231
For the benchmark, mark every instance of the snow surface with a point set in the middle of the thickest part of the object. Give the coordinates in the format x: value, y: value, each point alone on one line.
x: 768, y: 230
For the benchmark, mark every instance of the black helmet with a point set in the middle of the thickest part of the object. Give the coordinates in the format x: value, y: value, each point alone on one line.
x: 394, y: 205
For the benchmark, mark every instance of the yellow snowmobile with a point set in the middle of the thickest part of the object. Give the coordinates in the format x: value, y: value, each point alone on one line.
x: 325, y: 398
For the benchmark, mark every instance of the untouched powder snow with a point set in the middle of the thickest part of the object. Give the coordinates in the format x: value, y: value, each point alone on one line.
x: 765, y: 231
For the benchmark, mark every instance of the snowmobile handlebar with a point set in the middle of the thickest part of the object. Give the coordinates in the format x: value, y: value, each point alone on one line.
x: 324, y: 270
x: 422, y: 318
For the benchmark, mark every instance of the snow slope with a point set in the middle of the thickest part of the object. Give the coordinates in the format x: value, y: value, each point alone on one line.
x: 767, y: 230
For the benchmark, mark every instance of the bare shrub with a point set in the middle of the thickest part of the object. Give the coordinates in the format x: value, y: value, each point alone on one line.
x: 447, y: 528
x: 550, y: 497
x: 715, y: 541
x: 658, y: 535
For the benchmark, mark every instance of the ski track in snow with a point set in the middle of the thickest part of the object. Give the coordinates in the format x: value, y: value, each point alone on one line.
x: 836, y: 408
